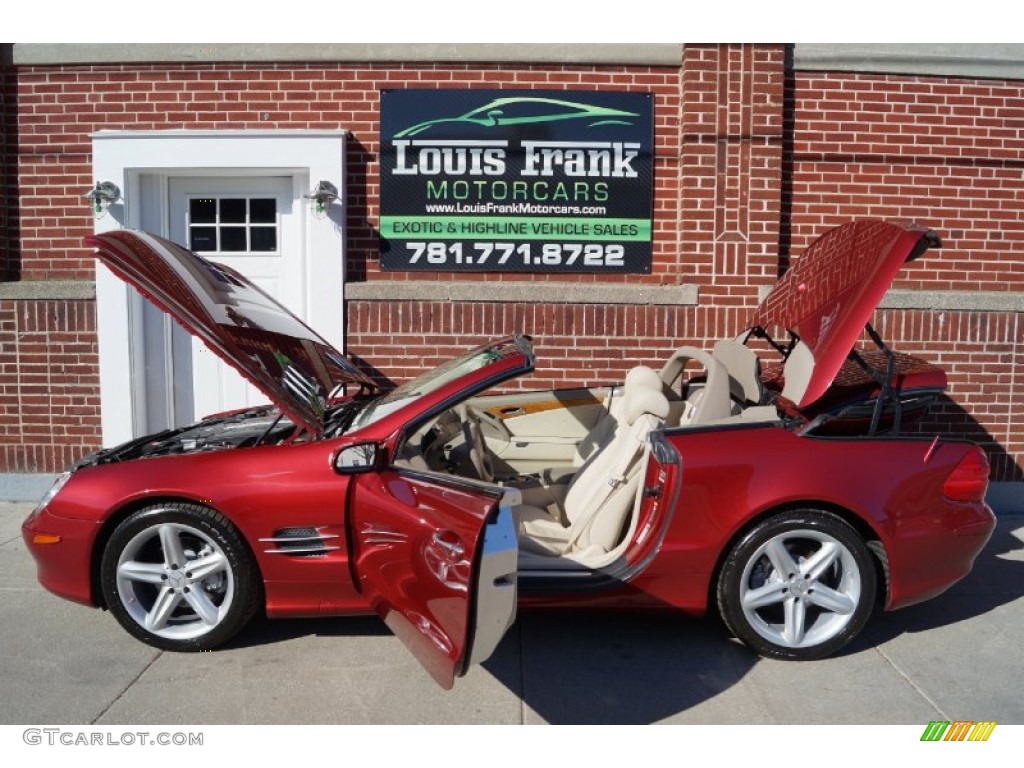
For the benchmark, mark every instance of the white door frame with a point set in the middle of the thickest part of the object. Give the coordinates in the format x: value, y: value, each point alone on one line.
x: 140, y: 163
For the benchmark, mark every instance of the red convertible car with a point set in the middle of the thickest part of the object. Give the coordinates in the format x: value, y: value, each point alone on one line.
x: 766, y: 479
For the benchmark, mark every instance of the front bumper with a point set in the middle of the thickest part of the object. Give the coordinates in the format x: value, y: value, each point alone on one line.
x: 63, y: 565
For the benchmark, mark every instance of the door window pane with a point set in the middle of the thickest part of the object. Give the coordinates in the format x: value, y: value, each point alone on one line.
x: 232, y: 211
x: 263, y: 210
x: 264, y: 239
x: 232, y: 239
x: 203, y: 239
x: 202, y: 210
x: 233, y: 224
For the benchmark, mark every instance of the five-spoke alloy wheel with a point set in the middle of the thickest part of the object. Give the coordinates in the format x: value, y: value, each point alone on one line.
x: 799, y: 585
x: 179, y: 577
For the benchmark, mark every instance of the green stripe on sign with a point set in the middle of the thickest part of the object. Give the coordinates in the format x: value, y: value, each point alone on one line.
x: 515, y: 228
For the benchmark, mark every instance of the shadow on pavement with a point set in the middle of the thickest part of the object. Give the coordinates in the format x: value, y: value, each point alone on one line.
x: 622, y: 668
x: 264, y: 631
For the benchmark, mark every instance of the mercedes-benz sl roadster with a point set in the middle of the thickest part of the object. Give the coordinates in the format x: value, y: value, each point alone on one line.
x: 768, y: 479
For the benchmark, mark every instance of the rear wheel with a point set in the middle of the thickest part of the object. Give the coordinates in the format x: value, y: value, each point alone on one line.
x: 179, y: 577
x: 799, y: 585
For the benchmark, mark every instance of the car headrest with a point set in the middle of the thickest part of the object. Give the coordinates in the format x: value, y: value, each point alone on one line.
x: 642, y: 376
x: 639, y: 400
x: 744, y: 369
x: 675, y: 365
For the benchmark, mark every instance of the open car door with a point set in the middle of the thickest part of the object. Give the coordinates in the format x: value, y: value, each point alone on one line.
x: 437, y: 560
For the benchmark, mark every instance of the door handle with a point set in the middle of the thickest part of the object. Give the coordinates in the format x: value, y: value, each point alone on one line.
x: 450, y: 544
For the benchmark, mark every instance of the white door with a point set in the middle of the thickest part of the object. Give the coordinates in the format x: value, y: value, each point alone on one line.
x: 146, y: 377
x: 247, y: 223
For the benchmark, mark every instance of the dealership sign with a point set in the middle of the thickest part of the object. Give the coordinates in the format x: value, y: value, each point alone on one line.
x: 516, y: 181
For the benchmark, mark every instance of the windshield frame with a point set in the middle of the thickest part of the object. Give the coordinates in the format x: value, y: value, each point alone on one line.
x: 468, y: 365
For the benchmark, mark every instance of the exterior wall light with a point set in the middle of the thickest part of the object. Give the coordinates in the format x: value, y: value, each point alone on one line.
x: 321, y: 198
x: 102, y: 196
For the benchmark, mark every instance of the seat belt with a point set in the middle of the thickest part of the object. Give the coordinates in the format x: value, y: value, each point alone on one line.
x: 621, y: 473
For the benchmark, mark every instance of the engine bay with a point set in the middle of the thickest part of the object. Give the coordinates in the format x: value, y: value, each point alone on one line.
x: 263, y: 425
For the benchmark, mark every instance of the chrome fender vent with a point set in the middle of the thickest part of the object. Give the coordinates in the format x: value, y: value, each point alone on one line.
x: 300, y: 542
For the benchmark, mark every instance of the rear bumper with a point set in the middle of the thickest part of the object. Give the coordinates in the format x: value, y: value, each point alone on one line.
x: 936, y: 551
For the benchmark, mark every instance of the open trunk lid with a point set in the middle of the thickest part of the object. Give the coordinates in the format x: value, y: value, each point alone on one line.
x: 828, y: 296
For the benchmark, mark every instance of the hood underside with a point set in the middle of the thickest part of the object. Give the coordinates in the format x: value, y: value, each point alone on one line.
x: 828, y: 296
x: 285, y: 359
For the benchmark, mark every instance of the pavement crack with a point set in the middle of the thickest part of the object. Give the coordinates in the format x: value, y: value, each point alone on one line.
x: 125, y: 690
x: 918, y: 689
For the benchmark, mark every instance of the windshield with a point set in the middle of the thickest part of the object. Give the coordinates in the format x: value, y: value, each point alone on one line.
x: 435, y: 379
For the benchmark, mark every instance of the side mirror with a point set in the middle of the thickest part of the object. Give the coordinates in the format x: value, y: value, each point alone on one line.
x: 356, y: 459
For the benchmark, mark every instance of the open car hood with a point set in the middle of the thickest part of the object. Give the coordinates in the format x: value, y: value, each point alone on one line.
x: 829, y: 294
x: 285, y: 359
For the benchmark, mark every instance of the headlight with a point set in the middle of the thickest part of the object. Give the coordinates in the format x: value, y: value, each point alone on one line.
x: 49, y: 495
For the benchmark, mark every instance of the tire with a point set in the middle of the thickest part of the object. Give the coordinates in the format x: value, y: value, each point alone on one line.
x: 179, y: 577
x: 797, y: 586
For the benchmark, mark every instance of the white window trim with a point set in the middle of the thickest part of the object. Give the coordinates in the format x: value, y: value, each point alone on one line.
x: 125, y: 156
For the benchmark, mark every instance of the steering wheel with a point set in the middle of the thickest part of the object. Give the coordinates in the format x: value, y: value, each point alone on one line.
x: 474, y: 436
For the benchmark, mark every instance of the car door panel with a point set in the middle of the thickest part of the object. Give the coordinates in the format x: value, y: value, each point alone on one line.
x: 560, y: 413
x: 539, y: 430
x: 526, y: 455
x: 437, y: 560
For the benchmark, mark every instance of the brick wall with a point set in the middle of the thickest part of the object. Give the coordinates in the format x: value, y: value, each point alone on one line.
x: 751, y: 162
x: 576, y: 344
x: 8, y: 150
x: 948, y: 153
x: 49, y: 384
x: 977, y: 350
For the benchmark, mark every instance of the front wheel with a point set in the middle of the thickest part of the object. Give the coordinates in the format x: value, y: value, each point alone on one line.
x: 179, y: 577
x: 799, y: 586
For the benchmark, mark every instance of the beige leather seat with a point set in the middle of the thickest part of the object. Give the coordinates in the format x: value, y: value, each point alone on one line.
x: 797, y: 372
x: 604, y: 429
x: 602, y: 493
x: 708, y: 403
x: 744, y: 370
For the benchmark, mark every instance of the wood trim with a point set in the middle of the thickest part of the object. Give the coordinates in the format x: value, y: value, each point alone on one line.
x: 528, y: 409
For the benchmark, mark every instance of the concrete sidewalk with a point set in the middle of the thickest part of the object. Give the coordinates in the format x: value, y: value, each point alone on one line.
x: 957, y: 657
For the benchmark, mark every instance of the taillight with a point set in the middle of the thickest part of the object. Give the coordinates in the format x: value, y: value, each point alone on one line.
x: 969, y: 479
